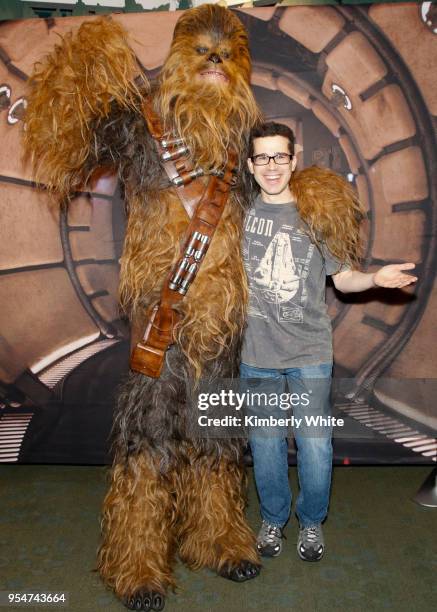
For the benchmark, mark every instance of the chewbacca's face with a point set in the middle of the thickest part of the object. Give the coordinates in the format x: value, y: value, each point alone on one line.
x: 213, y: 60
x: 204, y: 88
x: 218, y: 61
x: 210, y: 47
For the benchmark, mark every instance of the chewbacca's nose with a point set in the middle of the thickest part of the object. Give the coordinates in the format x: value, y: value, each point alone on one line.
x: 214, y: 58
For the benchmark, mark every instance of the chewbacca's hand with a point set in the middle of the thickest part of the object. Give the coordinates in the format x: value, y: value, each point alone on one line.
x: 392, y: 277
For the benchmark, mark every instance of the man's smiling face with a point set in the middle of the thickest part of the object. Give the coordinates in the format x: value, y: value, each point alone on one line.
x: 273, y: 178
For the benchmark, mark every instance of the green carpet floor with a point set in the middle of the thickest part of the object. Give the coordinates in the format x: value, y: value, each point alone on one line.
x: 381, y: 547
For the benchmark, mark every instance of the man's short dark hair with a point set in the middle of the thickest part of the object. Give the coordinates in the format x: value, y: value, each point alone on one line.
x: 272, y: 129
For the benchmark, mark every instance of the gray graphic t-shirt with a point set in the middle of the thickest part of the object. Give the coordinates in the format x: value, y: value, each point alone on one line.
x: 287, y: 323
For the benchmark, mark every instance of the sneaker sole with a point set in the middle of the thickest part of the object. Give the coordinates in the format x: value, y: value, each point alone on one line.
x: 310, y: 560
x: 268, y: 555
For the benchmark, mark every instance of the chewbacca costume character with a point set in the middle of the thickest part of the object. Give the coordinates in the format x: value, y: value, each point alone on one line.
x: 171, y: 492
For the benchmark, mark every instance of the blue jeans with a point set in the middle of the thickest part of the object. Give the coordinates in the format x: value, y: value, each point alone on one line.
x: 314, y: 446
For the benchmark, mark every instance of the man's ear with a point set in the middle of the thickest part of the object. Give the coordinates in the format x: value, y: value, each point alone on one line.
x: 293, y: 163
x: 250, y: 165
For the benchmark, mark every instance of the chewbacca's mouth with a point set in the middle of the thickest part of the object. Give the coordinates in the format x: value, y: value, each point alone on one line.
x: 214, y: 75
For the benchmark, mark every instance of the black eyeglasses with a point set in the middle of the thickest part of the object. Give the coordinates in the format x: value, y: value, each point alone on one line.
x: 279, y: 158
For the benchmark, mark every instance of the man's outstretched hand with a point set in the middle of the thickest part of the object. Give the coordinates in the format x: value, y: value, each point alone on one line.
x: 393, y: 276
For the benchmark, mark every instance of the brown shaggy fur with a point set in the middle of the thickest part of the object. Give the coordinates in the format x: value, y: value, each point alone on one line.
x: 330, y: 208
x: 68, y: 89
x: 213, y: 316
x: 212, y: 528
x: 213, y: 312
x: 138, y: 544
x: 197, y: 509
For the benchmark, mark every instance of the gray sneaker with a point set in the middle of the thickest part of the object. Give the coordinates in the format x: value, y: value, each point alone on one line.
x: 269, y: 540
x: 310, y: 544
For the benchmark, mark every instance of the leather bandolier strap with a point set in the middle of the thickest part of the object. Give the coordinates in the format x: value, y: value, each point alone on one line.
x: 149, y: 354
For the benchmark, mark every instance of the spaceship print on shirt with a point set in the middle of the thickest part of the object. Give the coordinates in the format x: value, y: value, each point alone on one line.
x: 279, y: 276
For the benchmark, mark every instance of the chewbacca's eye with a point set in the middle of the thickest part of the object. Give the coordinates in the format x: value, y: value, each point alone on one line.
x: 202, y: 50
x: 225, y: 54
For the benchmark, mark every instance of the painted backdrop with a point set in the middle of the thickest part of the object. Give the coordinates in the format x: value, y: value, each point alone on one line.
x: 356, y: 85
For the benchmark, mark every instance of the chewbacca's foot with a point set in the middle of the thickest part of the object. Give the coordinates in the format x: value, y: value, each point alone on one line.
x: 245, y: 570
x: 145, y: 601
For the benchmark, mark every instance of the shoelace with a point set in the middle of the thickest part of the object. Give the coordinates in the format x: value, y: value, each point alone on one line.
x: 271, y: 533
x: 311, y: 534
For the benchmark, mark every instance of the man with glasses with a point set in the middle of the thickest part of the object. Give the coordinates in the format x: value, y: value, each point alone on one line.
x: 301, y: 227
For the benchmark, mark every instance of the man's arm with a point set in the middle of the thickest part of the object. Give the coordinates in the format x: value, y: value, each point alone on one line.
x: 391, y: 276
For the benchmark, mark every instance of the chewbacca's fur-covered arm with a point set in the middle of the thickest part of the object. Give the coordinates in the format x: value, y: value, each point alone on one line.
x: 331, y: 210
x: 73, y: 93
